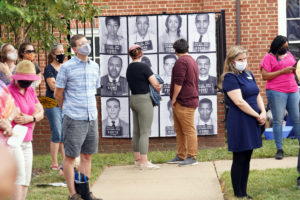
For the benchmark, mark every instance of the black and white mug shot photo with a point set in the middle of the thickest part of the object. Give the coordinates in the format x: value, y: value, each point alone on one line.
x: 143, y: 32
x: 207, y: 83
x: 151, y: 61
x: 113, y: 82
x: 113, y: 37
x: 202, y: 33
x: 171, y: 28
x: 115, y: 117
x: 166, y: 64
x: 166, y: 118
x: 206, y: 117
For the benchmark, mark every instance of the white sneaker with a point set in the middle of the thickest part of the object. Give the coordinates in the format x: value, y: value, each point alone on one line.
x: 148, y: 165
x: 136, y: 164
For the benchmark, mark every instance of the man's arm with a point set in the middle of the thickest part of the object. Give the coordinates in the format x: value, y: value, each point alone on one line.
x: 59, y: 95
x: 177, y: 89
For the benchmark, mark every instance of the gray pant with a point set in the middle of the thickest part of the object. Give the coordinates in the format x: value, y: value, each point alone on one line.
x: 142, y: 112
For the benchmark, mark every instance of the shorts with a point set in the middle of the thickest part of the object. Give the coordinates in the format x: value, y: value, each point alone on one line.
x: 23, y: 155
x: 80, y: 136
x: 54, y: 116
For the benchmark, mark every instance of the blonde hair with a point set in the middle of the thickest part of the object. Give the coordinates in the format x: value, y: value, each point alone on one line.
x: 229, y: 66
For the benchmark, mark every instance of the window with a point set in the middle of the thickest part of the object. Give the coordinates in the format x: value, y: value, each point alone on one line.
x: 289, y: 24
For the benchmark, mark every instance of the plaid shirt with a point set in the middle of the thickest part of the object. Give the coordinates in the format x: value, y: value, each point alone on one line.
x: 80, y: 81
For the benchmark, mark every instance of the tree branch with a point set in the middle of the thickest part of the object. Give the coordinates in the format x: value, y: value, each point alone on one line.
x: 13, y: 28
x: 27, y: 29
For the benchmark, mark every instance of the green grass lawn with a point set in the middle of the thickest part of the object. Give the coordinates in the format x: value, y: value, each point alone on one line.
x: 43, y: 174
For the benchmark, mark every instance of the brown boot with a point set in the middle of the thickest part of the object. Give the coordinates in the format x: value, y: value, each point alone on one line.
x: 92, y: 196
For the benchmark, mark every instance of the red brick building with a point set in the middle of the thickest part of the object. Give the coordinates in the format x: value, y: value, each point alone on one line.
x: 258, y: 26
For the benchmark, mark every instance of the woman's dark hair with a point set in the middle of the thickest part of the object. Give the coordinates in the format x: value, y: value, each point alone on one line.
x: 276, y: 44
x: 181, y: 46
x: 52, y: 52
x: 3, y: 52
x: 22, y: 48
x: 136, y: 53
x: 179, y: 23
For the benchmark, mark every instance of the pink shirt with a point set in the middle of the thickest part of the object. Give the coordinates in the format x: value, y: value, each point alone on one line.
x: 284, y: 82
x: 26, y: 103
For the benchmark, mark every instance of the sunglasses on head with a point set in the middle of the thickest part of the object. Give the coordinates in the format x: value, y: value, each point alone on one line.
x: 29, y: 51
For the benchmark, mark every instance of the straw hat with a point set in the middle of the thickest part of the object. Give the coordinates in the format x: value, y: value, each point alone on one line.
x: 25, y: 71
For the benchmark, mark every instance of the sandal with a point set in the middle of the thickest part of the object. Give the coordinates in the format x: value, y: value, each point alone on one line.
x: 54, y: 167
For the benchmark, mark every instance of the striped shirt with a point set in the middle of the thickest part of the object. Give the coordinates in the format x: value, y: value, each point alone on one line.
x: 80, y: 81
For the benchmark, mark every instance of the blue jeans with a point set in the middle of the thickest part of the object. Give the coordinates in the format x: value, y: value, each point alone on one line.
x: 54, y: 116
x: 279, y: 102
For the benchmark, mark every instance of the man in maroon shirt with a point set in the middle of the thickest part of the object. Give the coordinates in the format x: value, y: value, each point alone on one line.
x: 184, y: 96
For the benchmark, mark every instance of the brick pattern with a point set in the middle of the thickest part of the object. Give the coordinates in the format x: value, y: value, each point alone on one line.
x: 258, y: 28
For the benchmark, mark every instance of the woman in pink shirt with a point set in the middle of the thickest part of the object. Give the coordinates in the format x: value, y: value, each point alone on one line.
x: 31, y: 112
x: 278, y: 69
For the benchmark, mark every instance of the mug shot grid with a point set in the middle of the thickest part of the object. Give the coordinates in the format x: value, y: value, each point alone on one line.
x: 156, y: 53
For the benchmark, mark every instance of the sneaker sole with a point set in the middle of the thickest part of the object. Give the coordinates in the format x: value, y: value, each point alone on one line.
x: 174, y: 162
x: 196, y: 163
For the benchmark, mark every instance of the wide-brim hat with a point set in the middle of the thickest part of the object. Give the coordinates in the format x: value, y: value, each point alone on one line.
x: 25, y: 71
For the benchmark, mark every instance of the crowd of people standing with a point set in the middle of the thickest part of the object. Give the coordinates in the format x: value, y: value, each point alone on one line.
x: 73, y: 117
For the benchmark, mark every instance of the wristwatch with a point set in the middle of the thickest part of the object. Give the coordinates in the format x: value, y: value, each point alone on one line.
x: 34, y: 119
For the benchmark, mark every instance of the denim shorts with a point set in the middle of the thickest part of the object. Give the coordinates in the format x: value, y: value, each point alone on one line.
x: 54, y: 116
x: 80, y: 136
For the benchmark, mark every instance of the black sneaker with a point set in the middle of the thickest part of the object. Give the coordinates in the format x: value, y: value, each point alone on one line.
x: 279, y: 154
x: 188, y: 161
x: 298, y: 183
x: 175, y: 160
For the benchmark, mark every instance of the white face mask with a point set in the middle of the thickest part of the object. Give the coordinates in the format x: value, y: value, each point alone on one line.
x: 240, y: 65
x: 12, y: 56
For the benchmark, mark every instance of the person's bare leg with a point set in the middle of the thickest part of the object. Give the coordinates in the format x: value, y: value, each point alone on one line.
x: 137, y: 156
x: 62, y: 151
x: 69, y: 174
x: 144, y: 158
x: 85, y: 164
x: 24, y: 192
x: 54, y: 151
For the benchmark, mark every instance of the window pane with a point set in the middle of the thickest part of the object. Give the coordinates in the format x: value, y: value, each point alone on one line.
x: 293, y: 30
x: 292, y: 9
x: 295, y: 50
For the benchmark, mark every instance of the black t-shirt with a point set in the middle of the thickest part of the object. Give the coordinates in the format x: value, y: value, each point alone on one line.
x: 49, y: 72
x: 137, y: 75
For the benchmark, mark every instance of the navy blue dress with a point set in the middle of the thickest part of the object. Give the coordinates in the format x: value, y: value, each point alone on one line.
x: 243, y: 131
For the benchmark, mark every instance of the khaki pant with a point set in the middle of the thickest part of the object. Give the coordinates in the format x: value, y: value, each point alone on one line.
x: 186, y: 135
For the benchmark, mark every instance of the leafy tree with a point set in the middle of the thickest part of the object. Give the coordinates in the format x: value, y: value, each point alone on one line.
x: 34, y: 20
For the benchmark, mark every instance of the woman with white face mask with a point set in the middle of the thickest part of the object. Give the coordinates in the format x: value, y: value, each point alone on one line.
x: 245, y: 116
x: 8, y: 57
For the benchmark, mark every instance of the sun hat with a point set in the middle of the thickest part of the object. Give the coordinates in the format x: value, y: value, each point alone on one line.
x: 25, y: 71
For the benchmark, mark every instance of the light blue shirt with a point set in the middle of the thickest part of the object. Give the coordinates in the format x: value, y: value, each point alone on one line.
x: 80, y: 81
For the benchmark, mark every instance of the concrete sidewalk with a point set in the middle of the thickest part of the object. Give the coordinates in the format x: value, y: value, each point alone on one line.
x: 171, y: 182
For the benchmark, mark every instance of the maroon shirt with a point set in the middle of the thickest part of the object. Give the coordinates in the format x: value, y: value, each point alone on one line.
x: 186, y: 73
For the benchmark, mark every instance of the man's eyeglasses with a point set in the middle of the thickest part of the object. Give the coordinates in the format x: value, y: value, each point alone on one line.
x: 29, y: 51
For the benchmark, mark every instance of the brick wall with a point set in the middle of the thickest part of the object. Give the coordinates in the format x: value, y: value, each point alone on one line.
x: 258, y: 27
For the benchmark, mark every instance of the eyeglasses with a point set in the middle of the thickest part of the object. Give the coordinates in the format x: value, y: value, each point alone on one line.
x: 29, y: 51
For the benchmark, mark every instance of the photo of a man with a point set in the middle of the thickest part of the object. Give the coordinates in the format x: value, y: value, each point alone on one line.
x: 207, y: 83
x: 167, y: 66
x: 166, y: 118
x: 113, y: 125
x: 143, y: 33
x: 206, y: 123
x: 113, y: 84
x: 112, y: 42
x: 204, y: 26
